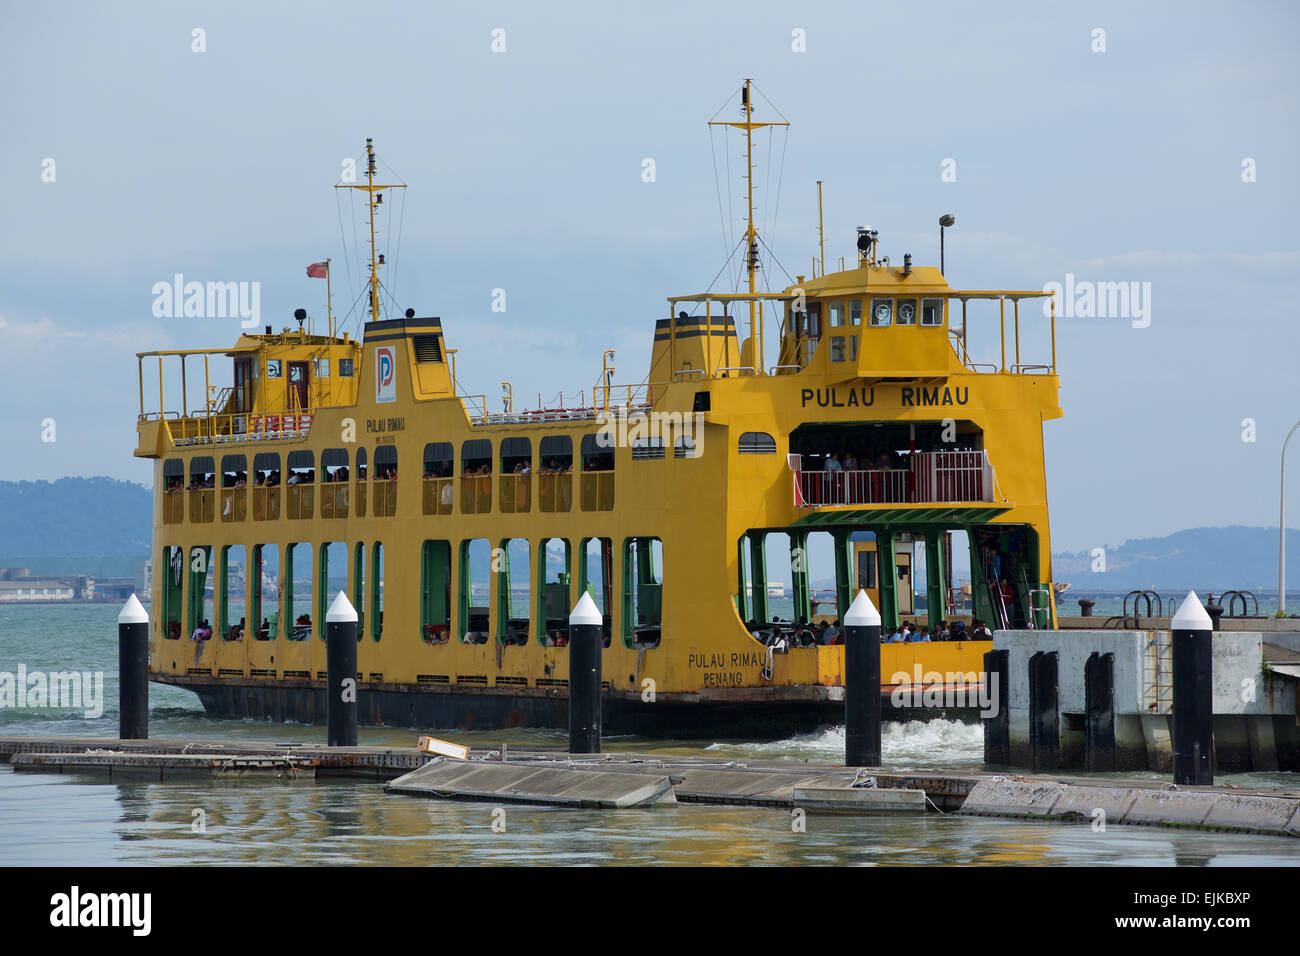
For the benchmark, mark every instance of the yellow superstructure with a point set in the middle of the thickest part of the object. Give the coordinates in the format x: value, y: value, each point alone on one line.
x: 465, y: 536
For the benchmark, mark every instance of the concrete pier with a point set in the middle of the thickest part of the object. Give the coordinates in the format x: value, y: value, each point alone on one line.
x: 550, y: 776
x: 1256, y: 674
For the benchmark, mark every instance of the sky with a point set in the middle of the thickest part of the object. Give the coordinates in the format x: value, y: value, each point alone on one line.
x: 1160, y: 151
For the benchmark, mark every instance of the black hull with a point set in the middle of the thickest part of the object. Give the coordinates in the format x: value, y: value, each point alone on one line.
x: 453, y: 708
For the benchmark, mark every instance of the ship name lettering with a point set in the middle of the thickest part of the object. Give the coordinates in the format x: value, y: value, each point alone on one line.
x: 916, y: 397
x: 378, y: 426
x: 829, y: 398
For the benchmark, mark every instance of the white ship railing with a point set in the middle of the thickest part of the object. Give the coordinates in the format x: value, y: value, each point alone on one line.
x: 946, y: 476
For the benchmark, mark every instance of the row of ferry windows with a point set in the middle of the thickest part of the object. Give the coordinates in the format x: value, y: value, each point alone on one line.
x: 338, y: 498
x: 261, y: 596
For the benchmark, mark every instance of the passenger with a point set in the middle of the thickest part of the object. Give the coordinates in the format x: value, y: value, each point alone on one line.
x: 833, y: 634
x: 264, y: 632
x: 896, y: 636
x: 850, y: 463
x: 923, y: 637
x: 833, y: 462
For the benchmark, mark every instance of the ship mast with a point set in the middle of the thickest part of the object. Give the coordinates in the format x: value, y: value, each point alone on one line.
x: 376, y: 199
x: 751, y: 234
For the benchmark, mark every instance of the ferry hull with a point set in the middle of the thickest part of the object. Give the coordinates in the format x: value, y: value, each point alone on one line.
x: 744, y: 715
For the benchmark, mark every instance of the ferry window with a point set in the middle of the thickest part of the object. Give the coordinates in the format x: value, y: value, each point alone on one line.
x: 438, y: 478
x: 300, y: 493
x: 882, y: 312
x: 334, y: 474
x: 438, y: 459
x: 866, y: 569
x: 302, y: 467
x: 360, y: 483
x: 200, y: 605
x: 345, y: 368
x: 202, y: 472
x: 472, y: 606
x: 595, y: 456
x: 853, y: 348
x: 596, y: 577
x: 553, y: 603
x: 932, y: 312
x: 814, y: 320
x: 266, y: 565
x: 173, y: 474
x: 266, y: 467
x: 476, y: 476
x: 274, y: 369
x: 513, y: 564
x: 642, y: 591
x: 234, y: 471
x: 173, y: 572
x: 385, y: 484
x: 476, y: 457
x: 837, y: 348
x: 756, y: 443
x: 855, y: 312
x: 297, y: 600
x: 359, y: 587
x: 516, y: 456
x: 597, y: 486
x: 323, y: 368
x: 516, y: 481
x: 385, y: 463
x: 435, y: 592
x: 376, y: 591
x: 231, y: 621
x: 907, y: 312
x: 555, y: 454
x: 836, y: 314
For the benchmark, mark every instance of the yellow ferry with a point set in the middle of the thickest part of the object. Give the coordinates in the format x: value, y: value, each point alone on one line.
x: 465, y: 536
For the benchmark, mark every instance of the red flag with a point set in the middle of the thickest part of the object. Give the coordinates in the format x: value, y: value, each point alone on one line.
x: 318, y: 270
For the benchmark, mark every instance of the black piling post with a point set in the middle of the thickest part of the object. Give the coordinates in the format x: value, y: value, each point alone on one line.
x: 1193, y: 707
x: 1099, y: 712
x: 341, y: 673
x: 133, y: 671
x: 862, y: 683
x: 1044, y: 712
x: 997, y: 728
x: 585, y: 645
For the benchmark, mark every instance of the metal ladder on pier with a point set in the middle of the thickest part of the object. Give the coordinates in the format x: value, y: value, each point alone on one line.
x: 1158, y: 690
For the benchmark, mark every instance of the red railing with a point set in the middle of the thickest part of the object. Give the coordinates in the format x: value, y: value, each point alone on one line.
x: 928, y: 476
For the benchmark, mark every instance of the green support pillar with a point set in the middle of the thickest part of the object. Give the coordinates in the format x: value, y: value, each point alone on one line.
x: 758, y: 575
x: 935, y: 584
x: 888, y: 577
x: 843, y: 572
x: 799, y: 574
x: 503, y: 590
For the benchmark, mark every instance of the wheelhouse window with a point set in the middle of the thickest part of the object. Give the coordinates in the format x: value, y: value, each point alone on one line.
x: 756, y: 443
x: 882, y: 312
x: 855, y: 312
x: 837, y: 348
x: 907, y: 312
x: 836, y: 313
x: 932, y: 312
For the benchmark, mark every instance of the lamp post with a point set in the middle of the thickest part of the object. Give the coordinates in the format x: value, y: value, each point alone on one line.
x: 1281, y: 530
x: 947, y: 219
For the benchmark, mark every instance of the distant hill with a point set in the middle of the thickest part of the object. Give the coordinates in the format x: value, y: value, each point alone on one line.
x: 74, y: 517
x: 1208, y: 559
x: 106, y: 519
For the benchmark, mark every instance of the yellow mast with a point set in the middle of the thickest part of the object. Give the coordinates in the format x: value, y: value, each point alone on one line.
x: 751, y: 234
x: 371, y: 188
x: 821, y: 229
